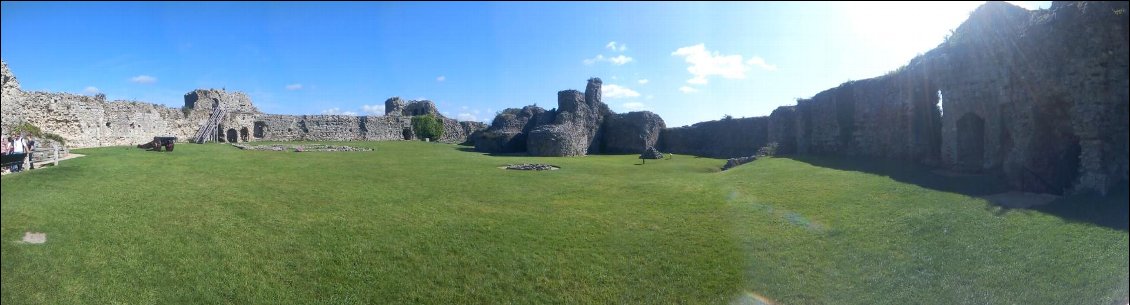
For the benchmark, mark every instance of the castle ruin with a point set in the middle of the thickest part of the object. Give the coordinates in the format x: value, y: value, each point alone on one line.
x: 86, y: 121
x: 1038, y: 98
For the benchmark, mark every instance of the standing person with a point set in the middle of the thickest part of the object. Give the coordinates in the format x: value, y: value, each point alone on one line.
x: 6, y: 149
x: 19, y: 146
x: 30, y: 150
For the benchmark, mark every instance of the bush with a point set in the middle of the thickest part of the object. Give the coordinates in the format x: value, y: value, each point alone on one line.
x: 29, y: 129
x: 427, y: 126
x: 56, y: 138
x: 34, y: 131
x: 768, y: 150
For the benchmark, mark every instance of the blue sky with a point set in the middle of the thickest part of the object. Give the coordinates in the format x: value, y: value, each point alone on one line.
x: 688, y: 62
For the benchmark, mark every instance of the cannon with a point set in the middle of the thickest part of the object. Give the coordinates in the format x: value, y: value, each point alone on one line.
x: 159, y: 142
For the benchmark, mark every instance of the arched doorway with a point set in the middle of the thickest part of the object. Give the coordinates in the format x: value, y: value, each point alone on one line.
x: 970, y: 142
x: 407, y: 133
x: 243, y: 134
x: 232, y: 136
x: 260, y: 130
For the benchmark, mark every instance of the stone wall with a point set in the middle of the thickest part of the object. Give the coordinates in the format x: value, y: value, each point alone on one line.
x: 581, y: 124
x: 893, y: 116
x: 274, y: 127
x: 86, y: 121
x: 1036, y: 97
x: 507, y: 132
x: 782, y: 129
x: 1039, y: 97
x: 576, y: 128
x: 727, y: 138
x: 632, y: 133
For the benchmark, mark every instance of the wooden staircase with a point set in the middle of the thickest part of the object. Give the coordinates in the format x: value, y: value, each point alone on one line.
x: 208, y: 130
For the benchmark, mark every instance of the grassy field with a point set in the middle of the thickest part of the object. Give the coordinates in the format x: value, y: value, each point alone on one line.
x: 430, y: 223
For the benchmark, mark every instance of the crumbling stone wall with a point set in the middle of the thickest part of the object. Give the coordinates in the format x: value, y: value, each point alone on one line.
x: 507, y: 132
x: 1045, y: 91
x: 239, y: 123
x: 577, y: 124
x: 893, y: 116
x: 782, y: 129
x: 279, y: 127
x: 394, y: 106
x: 276, y: 127
x: 460, y: 131
x: 725, y: 138
x: 208, y: 99
x: 575, y: 128
x: 632, y: 133
x: 1037, y: 97
x: 424, y: 107
x: 89, y: 122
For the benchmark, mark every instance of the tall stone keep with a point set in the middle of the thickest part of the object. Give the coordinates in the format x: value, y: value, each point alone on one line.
x: 592, y: 91
x: 394, y: 106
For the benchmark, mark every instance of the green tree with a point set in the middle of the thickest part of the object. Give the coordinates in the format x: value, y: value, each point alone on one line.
x: 427, y: 126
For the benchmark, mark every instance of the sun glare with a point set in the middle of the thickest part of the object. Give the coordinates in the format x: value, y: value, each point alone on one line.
x: 905, y: 28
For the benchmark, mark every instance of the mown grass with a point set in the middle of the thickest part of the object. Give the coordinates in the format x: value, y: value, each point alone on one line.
x: 430, y: 223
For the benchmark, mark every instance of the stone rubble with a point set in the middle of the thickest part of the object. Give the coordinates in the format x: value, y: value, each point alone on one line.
x: 531, y: 167
x: 734, y: 162
x: 651, y: 153
x: 301, y: 147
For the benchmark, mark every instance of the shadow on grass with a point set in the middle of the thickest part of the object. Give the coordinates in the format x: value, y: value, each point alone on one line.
x: 472, y: 150
x: 1108, y: 211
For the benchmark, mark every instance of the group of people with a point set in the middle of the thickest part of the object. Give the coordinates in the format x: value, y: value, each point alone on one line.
x: 18, y: 144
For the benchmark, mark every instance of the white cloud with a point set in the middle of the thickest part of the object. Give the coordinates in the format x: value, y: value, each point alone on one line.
x: 594, y: 60
x: 760, y: 62
x: 612, y: 45
x: 143, y: 79
x: 634, y: 106
x: 441, y: 78
x: 650, y: 96
x: 687, y: 89
x: 617, y: 91
x: 293, y: 87
x: 373, y: 109
x: 704, y: 64
x: 643, y: 81
x: 463, y: 116
x: 91, y: 90
x: 337, y: 111
x: 618, y: 60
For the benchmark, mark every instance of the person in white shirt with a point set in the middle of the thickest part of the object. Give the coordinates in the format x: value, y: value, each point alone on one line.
x: 19, y: 146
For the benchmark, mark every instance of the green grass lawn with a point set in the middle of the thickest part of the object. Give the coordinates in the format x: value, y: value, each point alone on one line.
x: 431, y: 223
